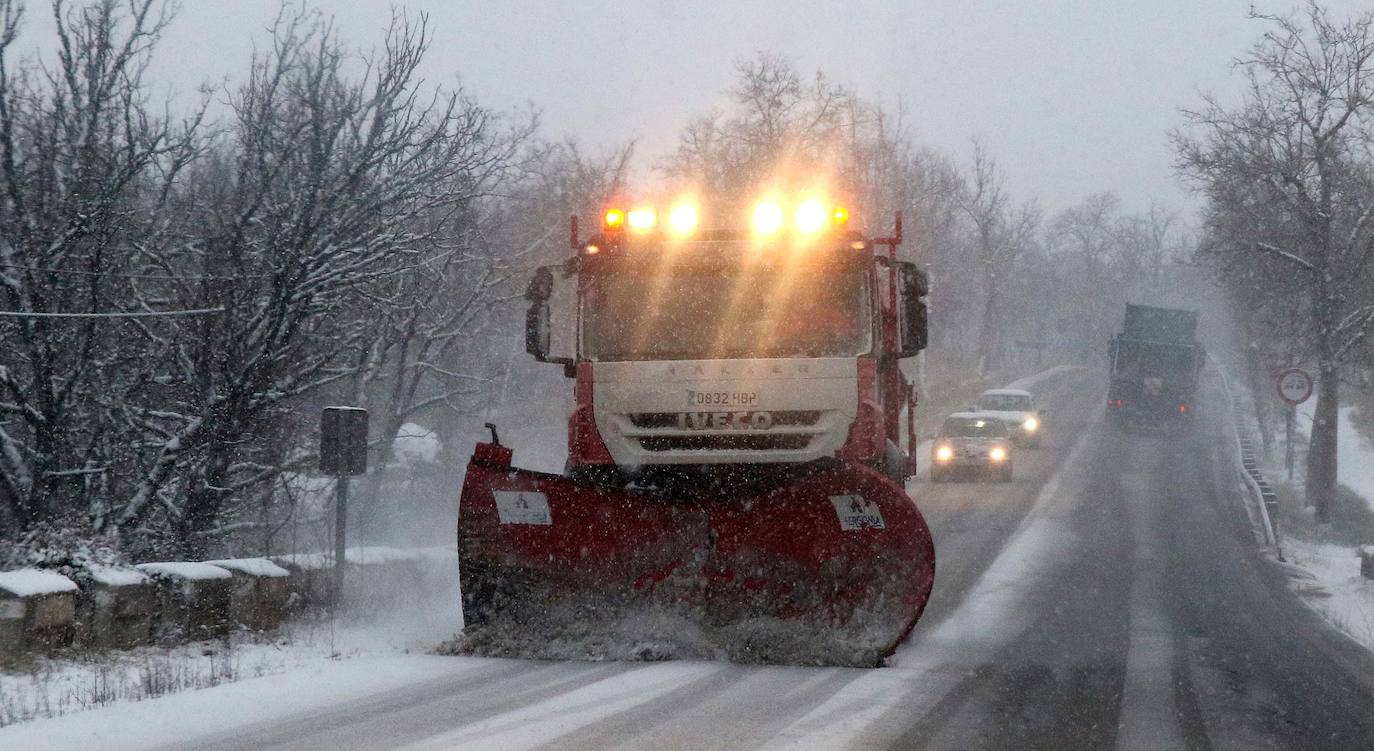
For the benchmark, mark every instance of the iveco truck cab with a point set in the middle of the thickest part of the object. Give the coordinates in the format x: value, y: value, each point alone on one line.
x: 738, y: 443
x: 774, y: 345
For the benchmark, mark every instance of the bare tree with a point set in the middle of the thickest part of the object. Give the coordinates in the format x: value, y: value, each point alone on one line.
x: 1001, y: 232
x: 784, y: 131
x: 85, y: 159
x: 1288, y: 177
x: 328, y: 184
x: 427, y: 331
x: 1085, y: 240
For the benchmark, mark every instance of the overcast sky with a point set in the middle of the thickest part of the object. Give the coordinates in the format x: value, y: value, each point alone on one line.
x: 1073, y: 97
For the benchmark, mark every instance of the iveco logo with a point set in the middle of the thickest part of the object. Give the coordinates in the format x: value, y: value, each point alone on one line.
x: 738, y: 369
x: 725, y: 420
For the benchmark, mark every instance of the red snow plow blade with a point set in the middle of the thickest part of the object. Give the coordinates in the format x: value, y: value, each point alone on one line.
x: 832, y: 565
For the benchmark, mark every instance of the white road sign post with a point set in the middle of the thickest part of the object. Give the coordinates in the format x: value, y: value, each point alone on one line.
x: 1295, y: 387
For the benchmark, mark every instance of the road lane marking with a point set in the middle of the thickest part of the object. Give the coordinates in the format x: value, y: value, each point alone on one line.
x: 546, y: 721
x: 1148, y: 718
x: 993, y: 612
x: 996, y: 610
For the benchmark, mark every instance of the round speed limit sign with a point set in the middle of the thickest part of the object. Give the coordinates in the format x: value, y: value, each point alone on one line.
x: 1295, y: 386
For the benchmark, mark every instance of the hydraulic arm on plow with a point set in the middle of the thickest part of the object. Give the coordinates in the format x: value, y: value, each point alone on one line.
x: 738, y: 446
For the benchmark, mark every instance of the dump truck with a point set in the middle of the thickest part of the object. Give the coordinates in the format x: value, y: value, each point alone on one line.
x: 739, y: 440
x: 1155, y: 362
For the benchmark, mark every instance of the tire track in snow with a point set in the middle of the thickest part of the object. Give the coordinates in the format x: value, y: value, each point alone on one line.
x: 1148, y: 717
x: 547, y: 720
x: 723, y: 712
x: 398, y: 717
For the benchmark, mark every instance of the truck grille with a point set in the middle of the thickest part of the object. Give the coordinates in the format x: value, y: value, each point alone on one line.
x: 717, y: 442
x: 786, y: 419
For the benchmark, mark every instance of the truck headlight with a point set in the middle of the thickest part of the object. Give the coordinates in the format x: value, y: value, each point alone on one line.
x: 944, y: 454
x: 1031, y: 424
x: 998, y: 454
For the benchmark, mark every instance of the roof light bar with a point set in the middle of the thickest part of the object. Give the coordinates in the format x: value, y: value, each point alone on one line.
x: 642, y: 219
x: 683, y: 219
x: 811, y: 216
x: 767, y: 218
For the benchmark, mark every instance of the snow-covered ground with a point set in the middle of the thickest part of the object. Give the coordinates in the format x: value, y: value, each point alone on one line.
x: 384, y: 622
x: 1326, y: 576
x: 1355, y: 458
x: 1328, y: 579
x: 1354, y: 454
x: 55, y: 687
x: 316, y: 682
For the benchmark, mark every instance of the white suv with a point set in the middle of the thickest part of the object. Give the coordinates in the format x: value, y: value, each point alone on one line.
x: 1017, y: 409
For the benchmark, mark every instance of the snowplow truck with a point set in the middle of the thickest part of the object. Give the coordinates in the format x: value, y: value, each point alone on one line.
x: 739, y: 441
x: 1155, y: 365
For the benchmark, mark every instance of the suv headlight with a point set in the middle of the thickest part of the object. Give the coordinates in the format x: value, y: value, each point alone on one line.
x: 944, y: 453
x: 1031, y: 424
x: 997, y: 454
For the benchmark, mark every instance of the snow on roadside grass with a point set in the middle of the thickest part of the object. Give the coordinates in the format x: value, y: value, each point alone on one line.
x: 385, y: 622
x: 1354, y: 457
x: 51, y: 687
x: 314, y: 687
x: 1328, y: 579
x: 1327, y: 576
x: 1354, y: 454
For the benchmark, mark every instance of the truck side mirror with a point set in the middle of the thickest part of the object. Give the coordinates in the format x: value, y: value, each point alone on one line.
x: 537, y: 334
x: 913, y: 326
x: 538, y: 329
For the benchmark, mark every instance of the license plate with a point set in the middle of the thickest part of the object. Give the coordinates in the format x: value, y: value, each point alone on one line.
x: 722, y: 398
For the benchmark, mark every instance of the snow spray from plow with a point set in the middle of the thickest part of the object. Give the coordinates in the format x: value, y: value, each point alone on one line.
x: 832, y: 566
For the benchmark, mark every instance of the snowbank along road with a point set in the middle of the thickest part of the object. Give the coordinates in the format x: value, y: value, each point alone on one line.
x: 1110, y: 597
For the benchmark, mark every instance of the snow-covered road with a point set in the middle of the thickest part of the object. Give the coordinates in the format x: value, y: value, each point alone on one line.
x: 1108, y: 598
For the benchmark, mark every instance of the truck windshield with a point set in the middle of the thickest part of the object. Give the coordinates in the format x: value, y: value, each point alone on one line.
x: 711, y: 313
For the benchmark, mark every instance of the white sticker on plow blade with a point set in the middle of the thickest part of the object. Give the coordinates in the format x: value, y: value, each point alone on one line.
x: 522, y: 507
x: 856, y: 512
